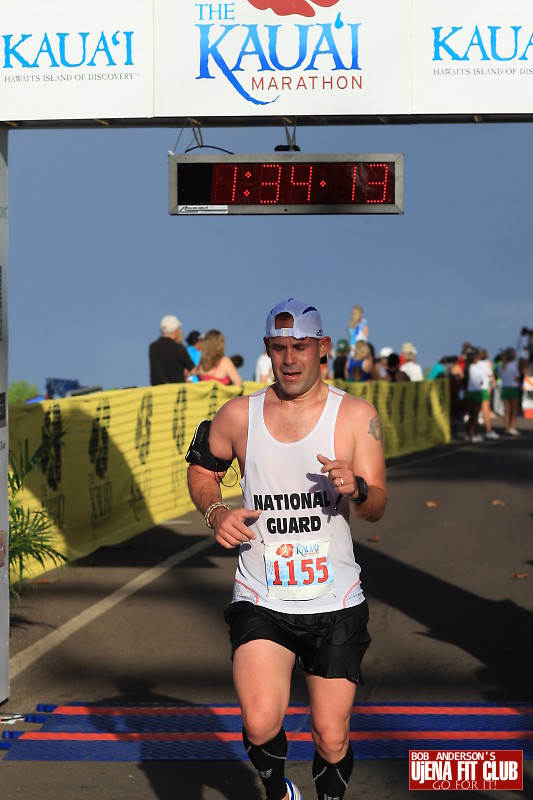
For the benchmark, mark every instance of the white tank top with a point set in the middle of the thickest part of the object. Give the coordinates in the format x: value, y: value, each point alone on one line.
x: 302, y: 558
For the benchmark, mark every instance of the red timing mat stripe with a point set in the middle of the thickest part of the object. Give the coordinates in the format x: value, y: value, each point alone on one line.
x: 295, y: 737
x: 199, y: 711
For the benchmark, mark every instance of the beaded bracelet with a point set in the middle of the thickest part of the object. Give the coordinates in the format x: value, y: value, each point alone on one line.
x: 210, y: 510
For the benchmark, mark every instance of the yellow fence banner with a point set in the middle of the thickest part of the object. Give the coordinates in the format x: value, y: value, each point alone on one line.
x: 117, y: 466
x: 118, y: 463
x: 414, y: 415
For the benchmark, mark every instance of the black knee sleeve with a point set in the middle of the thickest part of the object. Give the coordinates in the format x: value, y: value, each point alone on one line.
x: 269, y: 761
x: 331, y: 780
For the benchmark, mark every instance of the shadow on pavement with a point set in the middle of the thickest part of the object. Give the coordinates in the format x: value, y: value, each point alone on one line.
x: 175, y: 779
x: 497, y: 633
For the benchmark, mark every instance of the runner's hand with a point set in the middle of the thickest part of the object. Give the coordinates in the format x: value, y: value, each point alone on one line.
x: 340, y: 473
x: 230, y: 525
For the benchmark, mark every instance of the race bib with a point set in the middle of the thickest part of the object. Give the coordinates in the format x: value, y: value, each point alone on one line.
x: 298, y: 571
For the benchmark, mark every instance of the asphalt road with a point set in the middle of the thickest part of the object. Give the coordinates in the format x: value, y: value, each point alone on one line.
x: 448, y: 574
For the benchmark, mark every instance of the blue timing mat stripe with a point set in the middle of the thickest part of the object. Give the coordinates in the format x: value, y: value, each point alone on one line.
x: 371, y: 722
x: 215, y: 751
x: 92, y: 732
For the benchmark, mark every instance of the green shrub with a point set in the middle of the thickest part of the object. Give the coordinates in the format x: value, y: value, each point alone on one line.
x: 20, y: 391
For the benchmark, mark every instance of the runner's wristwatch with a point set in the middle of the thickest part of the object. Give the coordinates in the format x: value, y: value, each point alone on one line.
x: 362, y: 490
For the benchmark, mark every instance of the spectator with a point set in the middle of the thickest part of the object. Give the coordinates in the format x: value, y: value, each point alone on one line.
x: 511, y: 387
x: 263, y: 369
x: 194, y: 348
x: 462, y: 359
x: 393, y: 371
x: 486, y: 389
x: 475, y: 377
x: 169, y: 360
x: 456, y: 377
x: 410, y: 367
x: 238, y: 360
x: 325, y: 368
x: 341, y: 357
x: 214, y: 364
x: 360, y: 366
x: 438, y: 370
x: 497, y: 402
x: 523, y: 348
x: 381, y: 366
x: 358, y: 326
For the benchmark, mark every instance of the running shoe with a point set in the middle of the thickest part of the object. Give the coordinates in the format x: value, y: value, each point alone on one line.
x: 476, y: 439
x: 492, y: 435
x: 512, y: 432
x: 294, y: 792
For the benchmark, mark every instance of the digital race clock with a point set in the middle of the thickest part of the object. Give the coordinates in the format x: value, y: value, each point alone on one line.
x: 286, y: 183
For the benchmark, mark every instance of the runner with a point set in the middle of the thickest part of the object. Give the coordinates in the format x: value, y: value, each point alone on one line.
x: 310, y: 455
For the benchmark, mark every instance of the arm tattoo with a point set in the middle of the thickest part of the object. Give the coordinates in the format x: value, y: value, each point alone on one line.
x: 375, y: 429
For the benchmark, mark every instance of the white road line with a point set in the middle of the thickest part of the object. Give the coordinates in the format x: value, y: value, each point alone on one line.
x: 31, y: 654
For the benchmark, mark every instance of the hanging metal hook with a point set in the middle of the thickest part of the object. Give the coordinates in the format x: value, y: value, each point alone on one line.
x: 196, y: 128
x: 291, y: 138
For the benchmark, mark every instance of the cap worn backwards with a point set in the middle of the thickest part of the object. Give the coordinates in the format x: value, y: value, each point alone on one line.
x: 306, y: 320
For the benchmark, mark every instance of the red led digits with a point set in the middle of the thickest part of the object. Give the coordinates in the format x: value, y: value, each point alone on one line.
x: 344, y: 184
x: 275, y: 183
x: 382, y: 182
x: 295, y: 195
x: 359, y: 183
x: 272, y: 183
x: 354, y: 181
x: 224, y: 183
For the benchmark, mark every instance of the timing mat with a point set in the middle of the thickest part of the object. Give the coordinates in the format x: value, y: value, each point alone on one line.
x: 144, y: 732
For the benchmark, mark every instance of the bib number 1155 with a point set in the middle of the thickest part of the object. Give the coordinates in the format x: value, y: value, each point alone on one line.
x: 312, y: 569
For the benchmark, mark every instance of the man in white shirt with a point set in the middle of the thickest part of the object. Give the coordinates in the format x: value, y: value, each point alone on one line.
x: 263, y: 369
x: 411, y: 368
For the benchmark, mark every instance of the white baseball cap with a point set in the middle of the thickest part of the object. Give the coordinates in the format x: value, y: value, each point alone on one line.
x: 306, y: 320
x: 408, y: 348
x: 169, y: 324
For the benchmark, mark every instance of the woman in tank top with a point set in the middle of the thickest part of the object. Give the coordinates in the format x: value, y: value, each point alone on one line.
x: 214, y: 364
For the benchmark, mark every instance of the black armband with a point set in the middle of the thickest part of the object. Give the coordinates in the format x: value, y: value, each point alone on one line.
x: 199, y: 452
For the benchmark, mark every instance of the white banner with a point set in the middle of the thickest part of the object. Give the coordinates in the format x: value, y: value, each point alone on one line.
x: 82, y: 60
x: 265, y: 58
x: 473, y: 57
x: 120, y: 59
x: 4, y: 436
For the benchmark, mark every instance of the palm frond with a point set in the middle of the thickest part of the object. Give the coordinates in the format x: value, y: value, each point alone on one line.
x: 31, y: 536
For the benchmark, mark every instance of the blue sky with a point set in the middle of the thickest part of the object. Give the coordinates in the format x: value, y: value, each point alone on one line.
x: 95, y: 259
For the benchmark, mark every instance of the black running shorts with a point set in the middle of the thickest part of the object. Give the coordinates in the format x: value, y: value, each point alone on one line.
x: 331, y: 644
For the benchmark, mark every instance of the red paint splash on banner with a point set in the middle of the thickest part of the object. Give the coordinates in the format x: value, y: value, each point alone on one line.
x: 285, y: 7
